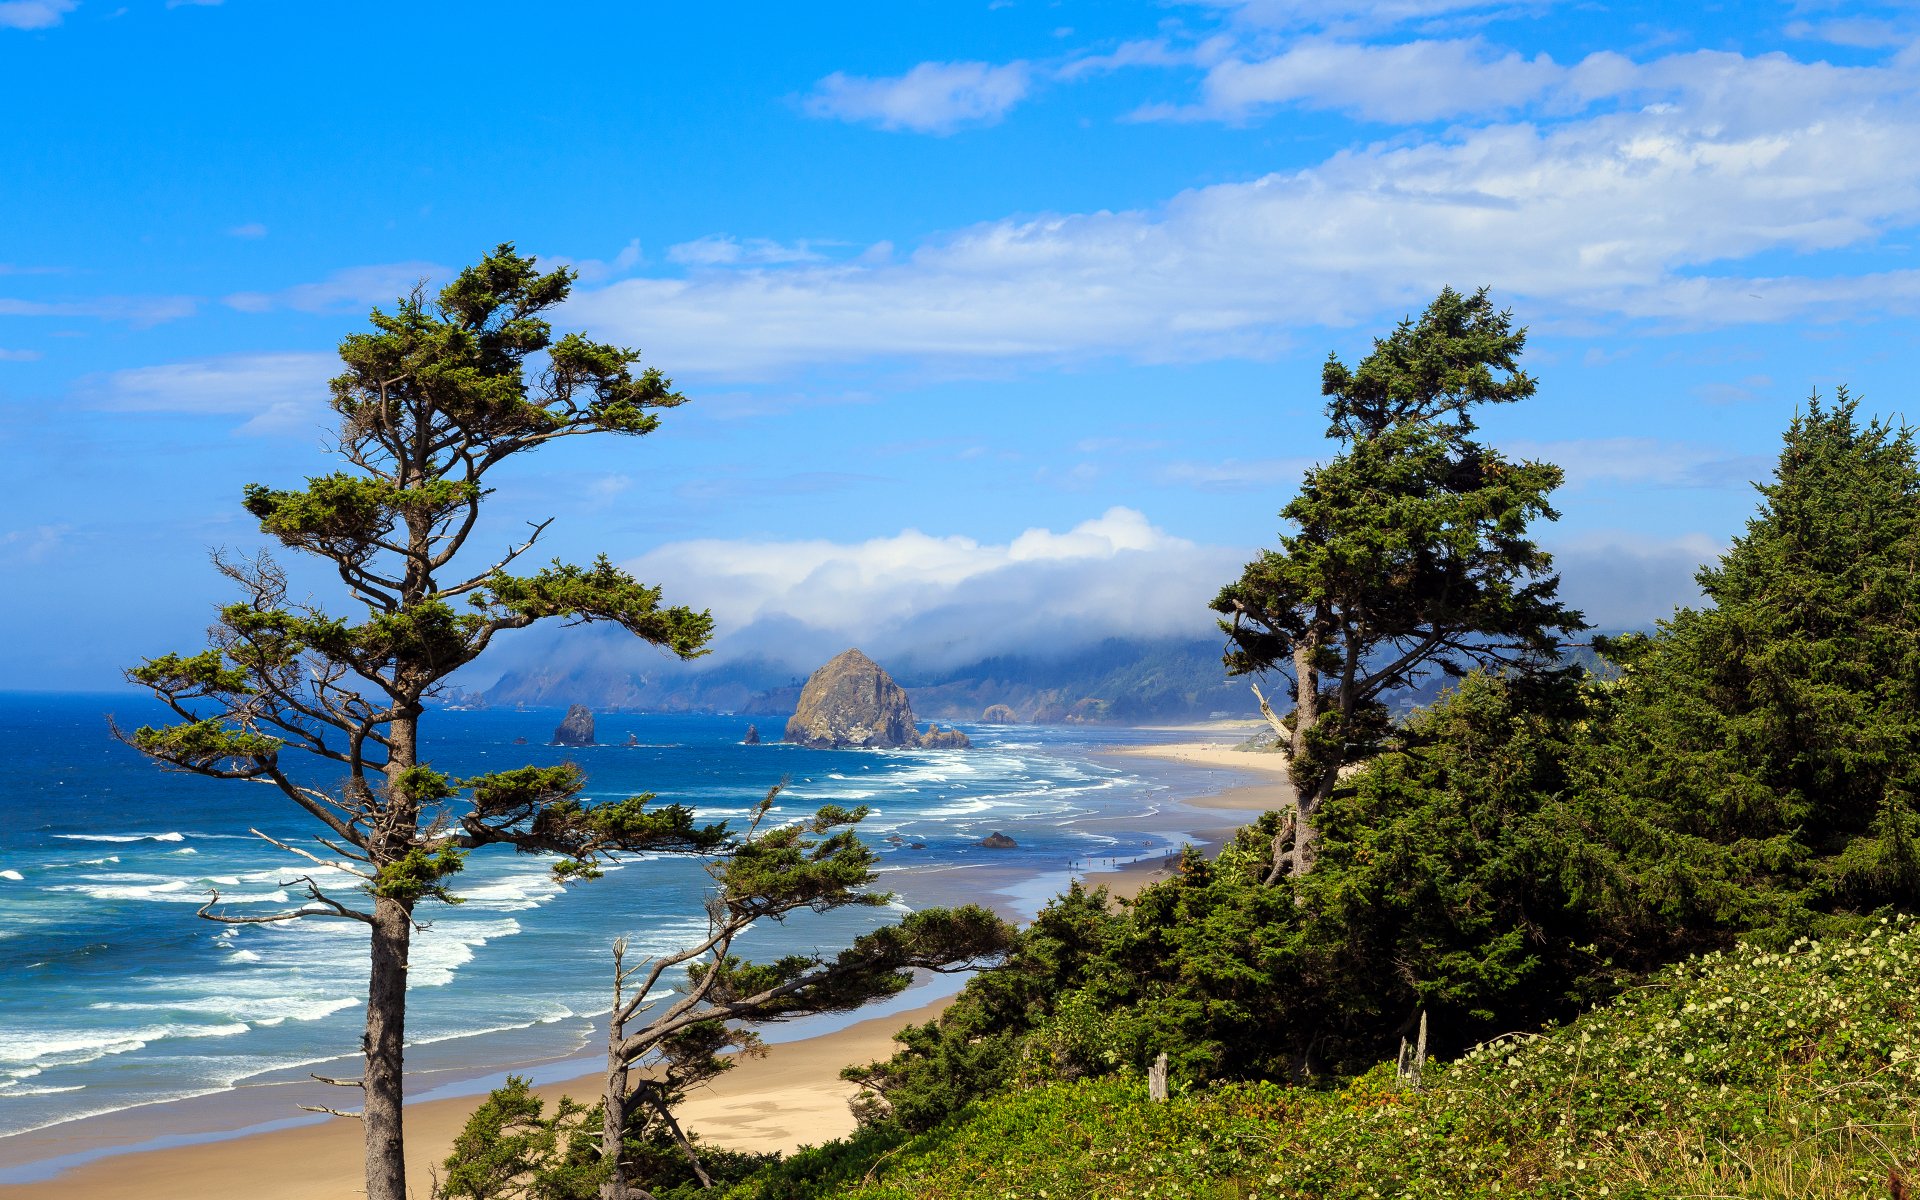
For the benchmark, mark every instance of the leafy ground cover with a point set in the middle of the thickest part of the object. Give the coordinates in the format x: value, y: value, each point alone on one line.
x: 1753, y: 1072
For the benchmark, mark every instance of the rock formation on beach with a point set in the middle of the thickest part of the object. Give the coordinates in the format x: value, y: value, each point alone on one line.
x: 1000, y: 714
x: 576, y: 729
x: 853, y: 702
x: 753, y: 736
x: 998, y: 841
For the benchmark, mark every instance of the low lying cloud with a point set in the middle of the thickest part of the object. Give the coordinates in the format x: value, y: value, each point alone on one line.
x: 1626, y: 581
x: 943, y: 601
x: 933, y: 97
x: 947, y: 600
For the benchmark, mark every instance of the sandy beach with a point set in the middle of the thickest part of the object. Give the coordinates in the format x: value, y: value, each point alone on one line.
x: 791, y: 1097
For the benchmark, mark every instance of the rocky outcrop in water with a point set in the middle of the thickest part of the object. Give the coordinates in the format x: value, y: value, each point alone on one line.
x: 1000, y: 714
x: 753, y: 736
x: 936, y: 738
x: 998, y: 841
x: 576, y: 729
x: 853, y: 702
x: 633, y: 739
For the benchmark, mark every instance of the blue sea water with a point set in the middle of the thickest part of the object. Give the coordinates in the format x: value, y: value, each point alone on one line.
x: 113, y: 994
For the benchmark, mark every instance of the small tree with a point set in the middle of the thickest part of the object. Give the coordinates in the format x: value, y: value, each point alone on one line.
x: 1409, y: 553
x: 432, y: 399
x: 818, y: 865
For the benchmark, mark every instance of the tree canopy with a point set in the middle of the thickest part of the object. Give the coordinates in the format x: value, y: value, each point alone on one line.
x: 1407, y: 553
x: 326, y: 708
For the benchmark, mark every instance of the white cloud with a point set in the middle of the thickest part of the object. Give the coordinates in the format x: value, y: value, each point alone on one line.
x: 1350, y: 15
x: 278, y: 393
x: 34, y: 14
x: 1237, y: 475
x: 250, y: 231
x: 34, y: 545
x: 1644, y: 213
x: 720, y: 250
x: 137, y: 310
x: 1404, y: 82
x: 18, y: 355
x: 351, y: 287
x: 931, y: 98
x: 1636, y: 462
x: 949, y: 599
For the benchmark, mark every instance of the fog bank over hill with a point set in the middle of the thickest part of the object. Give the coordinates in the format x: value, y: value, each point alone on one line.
x: 1105, y: 621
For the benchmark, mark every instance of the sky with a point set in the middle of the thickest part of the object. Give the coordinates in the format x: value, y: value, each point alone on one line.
x: 998, y: 321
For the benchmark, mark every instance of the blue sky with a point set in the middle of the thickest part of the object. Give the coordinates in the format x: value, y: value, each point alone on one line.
x: 1001, y: 321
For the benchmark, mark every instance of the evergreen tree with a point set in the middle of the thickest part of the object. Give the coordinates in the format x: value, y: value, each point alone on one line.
x: 327, y: 709
x: 1777, y: 732
x: 1409, y: 551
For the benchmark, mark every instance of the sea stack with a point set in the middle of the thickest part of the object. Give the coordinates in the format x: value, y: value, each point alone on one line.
x: 576, y: 729
x: 753, y: 736
x: 1000, y: 714
x: 853, y: 702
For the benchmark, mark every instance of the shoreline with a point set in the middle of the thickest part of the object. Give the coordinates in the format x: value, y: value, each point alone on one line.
x: 792, y: 1096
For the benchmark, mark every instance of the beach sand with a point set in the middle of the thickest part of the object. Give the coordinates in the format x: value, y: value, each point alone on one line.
x: 791, y: 1097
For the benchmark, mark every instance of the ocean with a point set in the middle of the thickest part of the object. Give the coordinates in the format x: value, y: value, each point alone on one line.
x: 114, y: 995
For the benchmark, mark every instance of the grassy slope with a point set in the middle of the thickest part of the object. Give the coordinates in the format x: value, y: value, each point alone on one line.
x: 1748, y: 1074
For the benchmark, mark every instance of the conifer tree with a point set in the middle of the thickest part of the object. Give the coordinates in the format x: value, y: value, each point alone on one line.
x: 1408, y: 553
x: 1775, y: 733
x: 327, y: 709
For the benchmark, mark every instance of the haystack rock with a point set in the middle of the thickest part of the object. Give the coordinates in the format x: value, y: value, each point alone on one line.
x: 853, y: 702
x: 1000, y: 714
x: 753, y: 736
x: 576, y: 729
x: 998, y: 841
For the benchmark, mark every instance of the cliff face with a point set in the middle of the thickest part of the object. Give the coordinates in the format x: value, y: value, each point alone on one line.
x: 576, y: 729
x: 851, y: 701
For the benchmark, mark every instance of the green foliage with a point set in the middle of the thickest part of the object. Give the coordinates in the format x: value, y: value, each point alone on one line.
x: 1779, y: 730
x: 1408, y: 551
x: 510, y: 1149
x: 1781, y: 1074
x: 602, y: 592
x: 417, y: 875
x: 209, y: 744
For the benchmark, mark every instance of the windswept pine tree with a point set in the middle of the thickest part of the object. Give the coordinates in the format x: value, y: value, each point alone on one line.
x: 327, y: 709
x: 1408, y: 552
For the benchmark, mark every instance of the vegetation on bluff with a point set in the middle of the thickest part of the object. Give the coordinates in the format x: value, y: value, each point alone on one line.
x: 1755, y: 1072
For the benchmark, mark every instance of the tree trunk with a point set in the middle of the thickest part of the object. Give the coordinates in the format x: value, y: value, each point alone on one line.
x: 384, y: 1042
x: 1306, y: 714
x: 385, y: 1037
x: 613, y: 1126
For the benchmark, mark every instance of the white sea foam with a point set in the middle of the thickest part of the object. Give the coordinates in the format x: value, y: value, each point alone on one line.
x: 13, y: 875
x: 71, y: 1047
x: 122, y: 837
x: 243, y: 956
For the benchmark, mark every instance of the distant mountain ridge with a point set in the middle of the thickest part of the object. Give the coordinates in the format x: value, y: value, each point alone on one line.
x: 1121, y: 681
